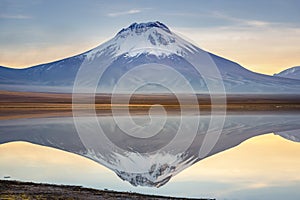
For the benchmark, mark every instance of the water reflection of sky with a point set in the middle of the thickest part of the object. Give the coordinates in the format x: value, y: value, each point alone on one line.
x: 264, y: 167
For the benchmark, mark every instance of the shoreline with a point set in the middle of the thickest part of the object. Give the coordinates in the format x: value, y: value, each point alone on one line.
x: 15, y: 105
x: 11, y: 189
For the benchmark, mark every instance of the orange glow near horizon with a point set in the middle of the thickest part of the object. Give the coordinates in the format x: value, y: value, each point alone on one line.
x: 258, y: 158
x: 22, y: 58
x: 251, y: 164
x: 268, y: 51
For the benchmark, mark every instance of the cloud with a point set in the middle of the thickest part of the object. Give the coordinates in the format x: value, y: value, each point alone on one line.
x: 5, y: 16
x: 241, y: 21
x: 221, y: 16
x: 129, y: 12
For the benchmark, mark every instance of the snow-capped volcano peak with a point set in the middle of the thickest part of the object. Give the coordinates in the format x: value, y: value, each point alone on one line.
x: 149, y: 38
x: 142, y: 27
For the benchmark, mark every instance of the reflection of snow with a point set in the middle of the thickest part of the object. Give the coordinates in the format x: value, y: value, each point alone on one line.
x: 293, y: 135
x: 153, y: 168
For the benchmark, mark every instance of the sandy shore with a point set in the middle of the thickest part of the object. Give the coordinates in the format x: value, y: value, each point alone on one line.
x: 28, y: 190
x: 15, y: 105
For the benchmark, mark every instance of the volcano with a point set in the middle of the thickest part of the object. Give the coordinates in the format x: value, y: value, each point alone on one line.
x: 138, y: 44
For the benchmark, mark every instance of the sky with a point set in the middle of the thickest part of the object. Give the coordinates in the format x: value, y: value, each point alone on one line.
x: 262, y: 36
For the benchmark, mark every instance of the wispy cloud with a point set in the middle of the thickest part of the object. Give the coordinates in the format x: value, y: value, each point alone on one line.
x: 224, y: 17
x: 128, y: 12
x: 7, y: 16
x: 241, y: 21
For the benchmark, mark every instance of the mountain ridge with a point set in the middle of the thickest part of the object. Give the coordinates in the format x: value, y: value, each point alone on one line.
x: 151, y: 42
x: 293, y: 73
x: 139, y: 27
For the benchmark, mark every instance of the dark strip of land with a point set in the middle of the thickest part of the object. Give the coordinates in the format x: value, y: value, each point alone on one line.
x: 34, y: 105
x: 28, y: 190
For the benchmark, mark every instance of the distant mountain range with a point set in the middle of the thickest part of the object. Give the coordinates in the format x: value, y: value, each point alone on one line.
x: 293, y: 73
x: 146, y: 43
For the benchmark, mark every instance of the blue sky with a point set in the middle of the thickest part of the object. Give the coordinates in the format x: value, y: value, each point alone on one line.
x: 40, y: 20
x: 39, y: 31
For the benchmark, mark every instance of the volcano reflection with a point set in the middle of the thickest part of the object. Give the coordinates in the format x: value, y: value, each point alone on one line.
x: 140, y: 158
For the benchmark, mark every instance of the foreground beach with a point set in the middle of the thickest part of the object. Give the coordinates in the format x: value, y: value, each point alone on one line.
x: 29, y: 190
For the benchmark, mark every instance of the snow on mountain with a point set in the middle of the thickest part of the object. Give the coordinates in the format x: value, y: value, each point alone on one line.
x: 144, y: 43
x: 150, y: 38
x: 293, y: 73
